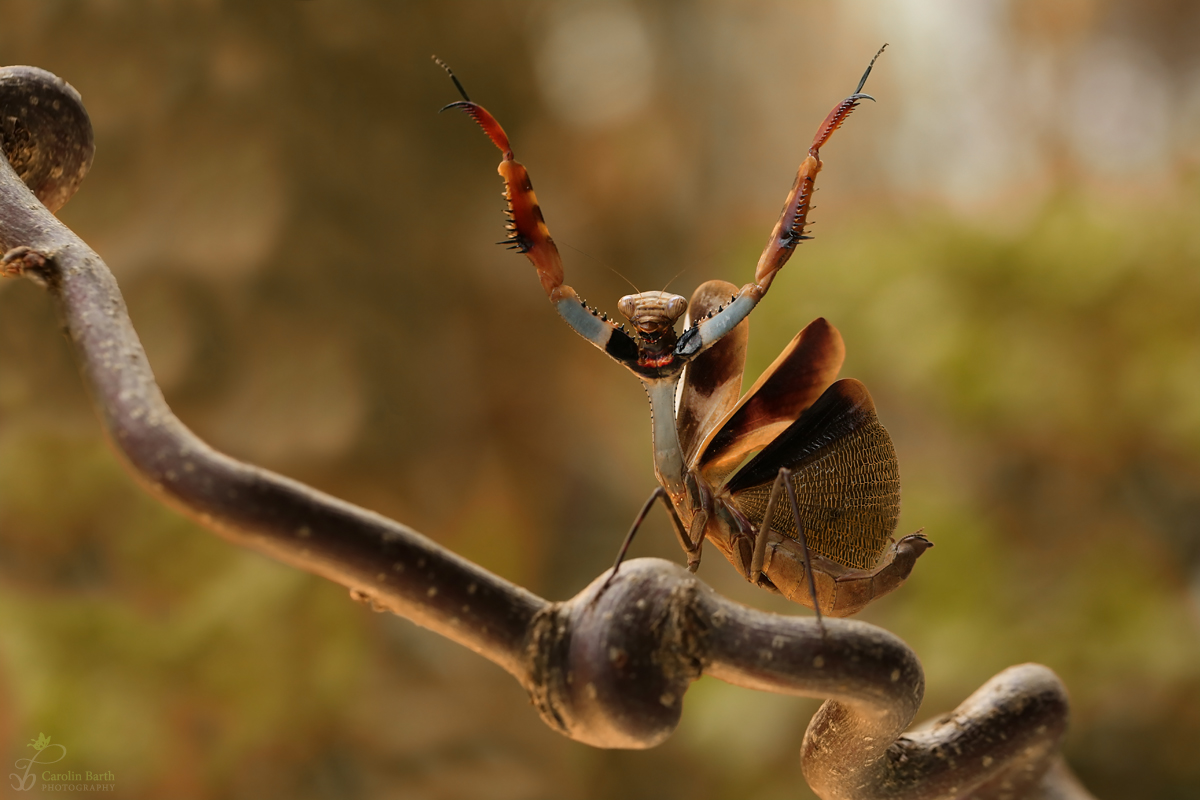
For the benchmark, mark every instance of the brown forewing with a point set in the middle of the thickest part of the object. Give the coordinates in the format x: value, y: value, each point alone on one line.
x: 712, y: 381
x: 793, y: 382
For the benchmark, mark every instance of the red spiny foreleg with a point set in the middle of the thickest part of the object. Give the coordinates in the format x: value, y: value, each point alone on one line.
x: 527, y: 231
x: 789, y: 231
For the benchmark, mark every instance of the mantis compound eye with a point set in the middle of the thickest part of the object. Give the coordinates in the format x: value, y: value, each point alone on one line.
x: 676, y: 306
x: 627, y: 305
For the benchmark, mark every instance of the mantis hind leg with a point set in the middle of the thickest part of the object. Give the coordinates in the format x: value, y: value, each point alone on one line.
x: 783, y: 482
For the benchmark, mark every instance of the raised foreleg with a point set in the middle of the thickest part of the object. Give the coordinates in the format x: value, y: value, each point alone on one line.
x: 788, y: 232
x: 529, y: 234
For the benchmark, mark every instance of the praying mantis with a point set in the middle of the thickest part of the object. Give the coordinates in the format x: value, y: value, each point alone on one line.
x: 819, y: 439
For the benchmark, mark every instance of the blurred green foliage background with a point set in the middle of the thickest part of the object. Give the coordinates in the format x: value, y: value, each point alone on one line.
x: 1009, y: 241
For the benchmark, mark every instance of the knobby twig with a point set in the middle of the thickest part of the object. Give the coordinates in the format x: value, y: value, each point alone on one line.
x: 608, y: 667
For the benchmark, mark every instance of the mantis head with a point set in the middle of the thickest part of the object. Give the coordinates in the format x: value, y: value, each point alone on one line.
x: 653, y: 315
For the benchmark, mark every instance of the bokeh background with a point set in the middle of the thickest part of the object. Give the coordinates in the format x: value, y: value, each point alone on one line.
x: 1009, y: 241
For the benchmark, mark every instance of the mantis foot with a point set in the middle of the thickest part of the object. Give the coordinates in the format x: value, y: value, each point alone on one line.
x: 16, y: 261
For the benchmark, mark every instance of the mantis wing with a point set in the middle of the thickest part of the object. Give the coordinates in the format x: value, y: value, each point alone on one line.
x: 712, y: 381
x: 845, y: 474
x: 805, y: 368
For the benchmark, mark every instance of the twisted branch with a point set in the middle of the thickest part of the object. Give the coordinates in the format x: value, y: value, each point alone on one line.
x: 608, y: 667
